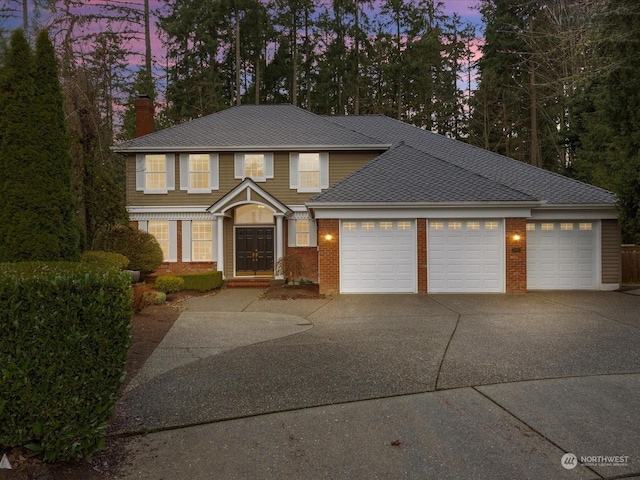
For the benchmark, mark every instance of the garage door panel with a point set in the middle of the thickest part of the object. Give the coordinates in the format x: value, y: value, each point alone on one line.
x: 561, y: 259
x: 465, y: 259
x: 378, y: 257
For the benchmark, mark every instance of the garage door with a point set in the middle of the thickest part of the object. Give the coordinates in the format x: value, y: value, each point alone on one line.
x: 561, y: 256
x: 378, y: 256
x: 465, y: 256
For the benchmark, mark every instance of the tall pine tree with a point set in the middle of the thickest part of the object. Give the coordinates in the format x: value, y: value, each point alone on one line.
x: 37, y: 219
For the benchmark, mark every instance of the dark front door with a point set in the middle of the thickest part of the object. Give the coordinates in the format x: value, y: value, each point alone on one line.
x: 254, y: 250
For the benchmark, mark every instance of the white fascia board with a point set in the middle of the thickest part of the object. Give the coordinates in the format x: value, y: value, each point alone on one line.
x: 575, y: 212
x: 251, y: 148
x: 394, y: 211
x: 162, y: 209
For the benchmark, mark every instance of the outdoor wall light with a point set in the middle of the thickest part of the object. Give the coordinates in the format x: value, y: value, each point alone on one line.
x: 328, y: 237
x: 516, y: 238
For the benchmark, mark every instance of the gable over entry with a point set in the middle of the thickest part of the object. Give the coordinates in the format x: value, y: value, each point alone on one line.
x: 240, y: 200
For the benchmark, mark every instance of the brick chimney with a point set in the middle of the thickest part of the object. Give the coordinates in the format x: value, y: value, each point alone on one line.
x: 144, y: 115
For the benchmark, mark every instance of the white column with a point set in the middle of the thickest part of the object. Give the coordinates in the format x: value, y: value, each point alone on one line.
x: 220, y: 229
x: 279, y: 239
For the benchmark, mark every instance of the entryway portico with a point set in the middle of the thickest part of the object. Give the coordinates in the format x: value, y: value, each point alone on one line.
x: 250, y: 230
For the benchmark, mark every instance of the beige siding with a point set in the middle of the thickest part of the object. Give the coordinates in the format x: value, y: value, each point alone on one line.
x: 611, y: 240
x: 340, y: 165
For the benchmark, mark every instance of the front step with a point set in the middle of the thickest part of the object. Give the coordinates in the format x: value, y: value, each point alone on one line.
x: 244, y: 282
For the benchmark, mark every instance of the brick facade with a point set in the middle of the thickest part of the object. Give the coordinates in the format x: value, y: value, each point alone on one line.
x: 309, y: 257
x: 516, y: 255
x: 329, y: 256
x: 422, y: 255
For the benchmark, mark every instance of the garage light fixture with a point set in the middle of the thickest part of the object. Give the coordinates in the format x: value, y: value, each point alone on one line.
x: 328, y: 237
x: 516, y: 238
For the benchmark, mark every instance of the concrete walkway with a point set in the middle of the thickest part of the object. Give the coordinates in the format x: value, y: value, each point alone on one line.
x: 391, y: 386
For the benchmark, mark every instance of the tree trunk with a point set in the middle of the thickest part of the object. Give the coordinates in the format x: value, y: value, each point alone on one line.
x: 237, y: 47
x: 147, y: 42
x: 357, y: 47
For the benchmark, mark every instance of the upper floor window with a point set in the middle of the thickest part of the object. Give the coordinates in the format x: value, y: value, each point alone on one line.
x: 256, y: 166
x: 155, y: 173
x: 308, y: 172
x: 199, y: 172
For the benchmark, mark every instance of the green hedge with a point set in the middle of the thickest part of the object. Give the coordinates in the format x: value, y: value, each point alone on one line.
x: 65, y: 333
x: 169, y: 283
x: 202, y: 281
x: 106, y: 259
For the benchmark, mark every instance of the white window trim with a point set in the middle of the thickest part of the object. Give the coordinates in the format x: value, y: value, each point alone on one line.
x: 170, y: 167
x: 294, y: 173
x: 214, y: 174
x: 239, y: 170
x: 313, y: 233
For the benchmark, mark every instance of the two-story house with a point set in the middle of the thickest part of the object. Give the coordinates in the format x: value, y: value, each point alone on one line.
x: 370, y: 203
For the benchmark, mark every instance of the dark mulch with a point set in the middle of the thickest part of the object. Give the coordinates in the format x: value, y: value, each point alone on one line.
x: 293, y: 292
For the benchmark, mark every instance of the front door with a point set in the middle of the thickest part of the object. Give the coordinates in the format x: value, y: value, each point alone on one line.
x: 254, y: 250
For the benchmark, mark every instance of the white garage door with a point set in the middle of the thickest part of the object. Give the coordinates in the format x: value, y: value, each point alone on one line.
x: 561, y: 256
x: 465, y: 256
x: 378, y: 256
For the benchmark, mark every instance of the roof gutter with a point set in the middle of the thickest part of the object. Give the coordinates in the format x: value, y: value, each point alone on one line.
x: 248, y: 148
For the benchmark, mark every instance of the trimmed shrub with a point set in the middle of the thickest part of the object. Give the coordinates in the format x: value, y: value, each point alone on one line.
x: 106, y: 259
x: 160, y: 298
x: 169, y: 283
x: 202, y: 282
x: 65, y: 334
x: 141, y: 248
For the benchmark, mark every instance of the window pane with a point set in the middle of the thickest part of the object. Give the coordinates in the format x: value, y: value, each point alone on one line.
x: 201, y: 237
x: 309, y: 179
x: 547, y: 227
x: 302, y: 239
x: 436, y: 225
x: 404, y: 225
x: 155, y: 163
x: 585, y: 226
x: 455, y: 225
x: 368, y: 226
x: 156, y: 181
x: 254, y: 214
x: 473, y: 225
x: 386, y: 225
x: 531, y: 226
x: 254, y: 165
x: 349, y: 226
x: 199, y: 163
x: 566, y: 226
x: 309, y: 162
x: 160, y: 230
x: 490, y: 225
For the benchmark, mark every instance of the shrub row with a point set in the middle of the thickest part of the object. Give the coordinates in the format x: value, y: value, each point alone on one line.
x: 106, y: 259
x: 65, y: 333
x: 202, y: 282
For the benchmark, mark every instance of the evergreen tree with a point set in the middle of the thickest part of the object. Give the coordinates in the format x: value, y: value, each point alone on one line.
x: 37, y: 220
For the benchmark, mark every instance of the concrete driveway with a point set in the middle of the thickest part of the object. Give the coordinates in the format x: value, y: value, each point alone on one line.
x: 391, y: 386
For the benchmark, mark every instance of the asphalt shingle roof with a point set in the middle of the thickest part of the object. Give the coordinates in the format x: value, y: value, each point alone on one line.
x: 274, y: 126
x: 404, y: 174
x: 532, y: 181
